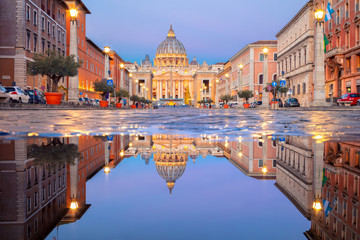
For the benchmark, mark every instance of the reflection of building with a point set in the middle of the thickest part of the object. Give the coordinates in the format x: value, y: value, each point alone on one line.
x: 32, y: 197
x: 249, y: 157
x: 171, y: 76
x: 294, y: 176
x: 342, y: 188
x: 171, y: 153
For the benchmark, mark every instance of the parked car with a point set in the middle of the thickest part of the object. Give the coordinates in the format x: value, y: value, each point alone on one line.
x: 36, y: 96
x: 278, y: 101
x: 17, y: 95
x: 349, y: 99
x: 4, y: 97
x: 96, y: 102
x: 233, y: 104
x: 292, y: 102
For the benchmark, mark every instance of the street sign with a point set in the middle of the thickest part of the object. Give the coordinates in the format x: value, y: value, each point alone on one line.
x: 282, y: 83
x: 110, y: 82
x: 274, y: 84
x: 80, y: 93
x: 269, y: 88
x: 290, y: 91
x: 282, y: 139
x: 273, y: 138
x: 43, y: 88
x: 110, y: 138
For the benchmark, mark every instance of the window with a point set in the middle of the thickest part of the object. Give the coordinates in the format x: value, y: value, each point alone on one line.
x: 49, y: 189
x: 261, y: 57
x: 293, y: 90
x: 35, y: 42
x: 29, y: 231
x: 347, y: 10
x: 295, y: 60
x: 28, y: 204
x: 35, y: 225
x: 43, y: 45
x: 344, y: 209
x: 261, y: 79
x: 298, y: 89
x: 275, y: 56
x: 261, y: 163
x: 43, y: 23
x: 28, y: 12
x: 28, y: 40
x: 299, y: 58
x: 48, y: 28
x: 35, y: 18
x: 53, y: 31
x: 274, y: 163
x: 36, y: 199
x: 304, y: 55
x: 338, y: 16
x: 304, y: 87
x: 354, y: 216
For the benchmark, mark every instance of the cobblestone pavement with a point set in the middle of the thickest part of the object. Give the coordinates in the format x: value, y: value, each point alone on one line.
x: 230, y: 123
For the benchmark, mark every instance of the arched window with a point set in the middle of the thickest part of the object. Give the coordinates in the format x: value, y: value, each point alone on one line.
x: 261, y: 78
x: 274, y: 77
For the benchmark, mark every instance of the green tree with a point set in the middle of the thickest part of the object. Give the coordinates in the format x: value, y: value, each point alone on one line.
x: 135, y: 98
x: 226, y: 98
x: 102, y: 87
x: 53, y: 154
x: 53, y: 65
x: 277, y: 89
x: 246, y: 94
x: 122, y: 93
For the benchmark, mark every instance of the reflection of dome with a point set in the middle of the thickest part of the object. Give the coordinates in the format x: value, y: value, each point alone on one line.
x: 194, y: 62
x: 171, y: 45
x: 170, y: 167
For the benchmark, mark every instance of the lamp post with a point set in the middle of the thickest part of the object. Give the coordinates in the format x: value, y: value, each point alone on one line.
x: 130, y: 84
x: 318, y: 146
x: 241, y: 66
x: 107, y: 65
x: 122, y: 67
x: 265, y: 96
x: 227, y: 89
x: 264, y: 169
x: 73, y: 84
x: 319, y: 74
x: 217, y: 93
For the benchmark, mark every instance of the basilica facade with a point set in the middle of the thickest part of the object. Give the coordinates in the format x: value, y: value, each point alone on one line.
x: 170, y: 79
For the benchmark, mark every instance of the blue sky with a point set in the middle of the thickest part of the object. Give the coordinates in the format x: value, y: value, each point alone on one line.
x: 213, y: 31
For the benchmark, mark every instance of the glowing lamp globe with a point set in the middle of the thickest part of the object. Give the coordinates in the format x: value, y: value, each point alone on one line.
x: 74, y: 205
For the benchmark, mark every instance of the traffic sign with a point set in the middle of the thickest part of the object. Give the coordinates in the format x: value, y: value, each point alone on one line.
x: 110, y: 138
x: 282, y: 83
x: 273, y: 138
x: 80, y: 93
x: 282, y: 139
x: 110, y: 82
x: 43, y: 88
x: 269, y: 88
x: 274, y: 84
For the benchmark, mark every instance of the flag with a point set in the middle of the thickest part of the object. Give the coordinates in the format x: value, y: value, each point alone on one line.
x: 326, y: 42
x: 327, y: 207
x: 329, y: 12
x: 324, y: 178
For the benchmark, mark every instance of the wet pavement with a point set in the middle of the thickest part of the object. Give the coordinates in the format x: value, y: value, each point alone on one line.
x: 179, y: 174
x: 230, y: 123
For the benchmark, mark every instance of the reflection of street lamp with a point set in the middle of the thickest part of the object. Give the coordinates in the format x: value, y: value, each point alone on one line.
x: 319, y: 76
x: 73, y: 83
x: 317, y: 205
x: 74, y: 205
x: 265, y: 96
x: 106, y: 169
x: 264, y: 170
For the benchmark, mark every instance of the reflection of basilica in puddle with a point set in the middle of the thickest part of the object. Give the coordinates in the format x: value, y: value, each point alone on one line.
x: 306, y: 171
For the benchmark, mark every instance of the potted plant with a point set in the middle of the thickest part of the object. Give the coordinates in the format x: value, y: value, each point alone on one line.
x: 122, y: 93
x: 135, y: 100
x: 246, y: 94
x: 54, y: 154
x: 226, y: 98
x: 55, y: 66
x: 102, y: 87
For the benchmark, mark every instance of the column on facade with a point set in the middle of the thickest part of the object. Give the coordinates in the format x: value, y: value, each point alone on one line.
x: 319, y: 74
x: 265, y: 95
x: 210, y: 89
x: 174, y: 89
x: 182, y: 89
x: 137, y: 88
x: 158, y: 90
x: 166, y: 90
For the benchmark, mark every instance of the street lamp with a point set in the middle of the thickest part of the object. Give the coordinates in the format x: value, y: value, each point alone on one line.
x: 319, y: 76
x: 74, y: 205
x: 317, y: 205
x: 107, y: 67
x: 265, y: 96
x: 107, y: 49
x: 73, y: 82
x: 106, y: 169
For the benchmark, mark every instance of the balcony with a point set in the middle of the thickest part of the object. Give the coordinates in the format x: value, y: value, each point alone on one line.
x: 334, y: 51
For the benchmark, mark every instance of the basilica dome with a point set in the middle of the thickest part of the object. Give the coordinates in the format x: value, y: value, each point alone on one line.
x: 171, y: 45
x: 171, y: 52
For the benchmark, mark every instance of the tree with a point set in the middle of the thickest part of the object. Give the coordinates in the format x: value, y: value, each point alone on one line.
x: 122, y: 93
x: 226, y: 98
x: 53, y: 154
x: 209, y: 101
x: 102, y: 87
x: 187, y: 96
x: 277, y: 89
x: 53, y: 65
x: 246, y: 94
x: 135, y: 98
